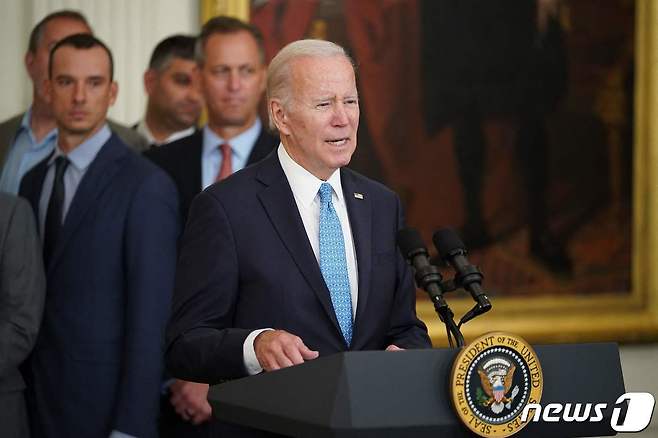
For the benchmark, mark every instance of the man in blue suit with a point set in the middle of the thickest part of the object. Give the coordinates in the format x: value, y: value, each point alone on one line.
x: 109, y: 222
x: 294, y: 257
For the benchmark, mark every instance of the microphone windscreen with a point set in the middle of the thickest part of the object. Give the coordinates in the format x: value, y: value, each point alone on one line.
x: 409, y: 241
x: 447, y: 241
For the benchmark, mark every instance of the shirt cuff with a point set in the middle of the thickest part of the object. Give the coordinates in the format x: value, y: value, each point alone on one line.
x: 249, y: 353
x: 117, y: 434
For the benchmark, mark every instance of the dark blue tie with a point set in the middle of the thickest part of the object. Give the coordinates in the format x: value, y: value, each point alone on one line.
x: 55, y: 209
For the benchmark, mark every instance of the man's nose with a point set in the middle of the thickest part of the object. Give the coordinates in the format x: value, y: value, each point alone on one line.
x: 79, y: 92
x: 340, y: 115
x: 234, y: 81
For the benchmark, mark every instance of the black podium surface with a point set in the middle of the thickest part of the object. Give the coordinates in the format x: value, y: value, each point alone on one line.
x: 402, y: 394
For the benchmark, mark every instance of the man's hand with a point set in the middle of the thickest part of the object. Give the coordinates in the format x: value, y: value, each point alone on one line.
x: 190, y: 400
x: 279, y: 349
x: 394, y: 347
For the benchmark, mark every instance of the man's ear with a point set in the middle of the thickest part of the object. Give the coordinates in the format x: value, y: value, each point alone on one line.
x: 48, y: 91
x: 263, y: 80
x: 279, y: 116
x: 150, y: 77
x: 114, y: 90
x: 29, y: 63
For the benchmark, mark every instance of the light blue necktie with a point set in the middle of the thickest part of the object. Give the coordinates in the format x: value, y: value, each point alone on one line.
x: 333, y: 263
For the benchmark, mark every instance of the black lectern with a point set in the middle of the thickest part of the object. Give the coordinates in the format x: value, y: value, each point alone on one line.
x: 402, y: 394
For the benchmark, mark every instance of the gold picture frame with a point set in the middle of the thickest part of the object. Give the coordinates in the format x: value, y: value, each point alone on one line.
x: 628, y: 317
x: 233, y: 8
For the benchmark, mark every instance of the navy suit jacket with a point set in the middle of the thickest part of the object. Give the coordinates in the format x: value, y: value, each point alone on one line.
x: 181, y: 159
x: 246, y: 263
x: 97, y: 364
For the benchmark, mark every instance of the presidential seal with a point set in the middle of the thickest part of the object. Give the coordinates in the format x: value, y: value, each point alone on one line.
x: 492, y: 380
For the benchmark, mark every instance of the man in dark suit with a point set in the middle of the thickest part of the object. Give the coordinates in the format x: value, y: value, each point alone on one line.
x: 109, y: 220
x: 172, y: 86
x: 29, y: 137
x: 22, y: 295
x: 295, y: 256
x: 231, y: 62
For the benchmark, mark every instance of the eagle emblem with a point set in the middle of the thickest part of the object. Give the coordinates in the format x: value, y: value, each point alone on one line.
x: 497, y: 376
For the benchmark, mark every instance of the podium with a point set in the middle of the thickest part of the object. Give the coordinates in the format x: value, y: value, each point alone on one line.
x: 402, y: 394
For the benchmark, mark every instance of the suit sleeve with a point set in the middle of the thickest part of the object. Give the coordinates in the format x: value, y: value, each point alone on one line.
x: 406, y: 330
x: 202, y: 345
x: 152, y: 229
x: 22, y: 287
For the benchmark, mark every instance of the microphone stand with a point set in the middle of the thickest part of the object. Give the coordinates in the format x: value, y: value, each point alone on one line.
x: 430, y: 275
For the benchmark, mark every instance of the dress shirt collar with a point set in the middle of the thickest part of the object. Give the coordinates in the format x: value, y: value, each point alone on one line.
x: 145, y: 132
x: 304, y: 184
x: 241, y: 145
x: 25, y: 125
x: 82, y: 156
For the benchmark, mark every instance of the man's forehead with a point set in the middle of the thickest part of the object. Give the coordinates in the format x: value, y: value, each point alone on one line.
x: 324, y: 75
x: 235, y: 48
x: 61, y: 27
x: 87, y: 62
x: 180, y: 65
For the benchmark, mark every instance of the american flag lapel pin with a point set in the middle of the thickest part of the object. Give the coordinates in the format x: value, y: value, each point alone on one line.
x: 358, y: 195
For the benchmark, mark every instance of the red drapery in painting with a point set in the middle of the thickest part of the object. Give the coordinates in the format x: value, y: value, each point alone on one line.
x: 283, y: 22
x: 381, y: 34
x: 385, y: 39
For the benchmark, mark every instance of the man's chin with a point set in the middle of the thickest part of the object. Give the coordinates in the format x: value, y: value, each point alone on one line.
x: 186, y: 122
x: 76, y: 129
x: 234, y: 121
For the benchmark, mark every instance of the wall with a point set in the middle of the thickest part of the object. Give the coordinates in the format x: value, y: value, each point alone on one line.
x: 639, y: 364
x: 131, y: 28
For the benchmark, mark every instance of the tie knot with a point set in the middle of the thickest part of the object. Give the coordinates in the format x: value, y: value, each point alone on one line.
x: 61, y: 163
x: 325, y: 192
x: 225, y: 148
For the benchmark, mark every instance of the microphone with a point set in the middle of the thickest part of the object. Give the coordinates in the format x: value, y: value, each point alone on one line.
x: 427, y: 275
x: 452, y: 250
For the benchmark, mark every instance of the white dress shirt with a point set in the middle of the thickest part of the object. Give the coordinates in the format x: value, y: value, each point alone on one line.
x: 143, y: 129
x: 305, y: 187
x: 241, y: 147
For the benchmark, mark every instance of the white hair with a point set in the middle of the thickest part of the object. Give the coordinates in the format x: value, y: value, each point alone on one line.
x: 278, y: 72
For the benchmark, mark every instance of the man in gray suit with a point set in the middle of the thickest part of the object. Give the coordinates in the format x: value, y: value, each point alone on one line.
x: 29, y: 137
x: 22, y: 296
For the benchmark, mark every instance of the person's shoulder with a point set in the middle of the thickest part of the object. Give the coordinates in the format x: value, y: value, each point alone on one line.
x: 176, y: 149
x: 243, y: 183
x: 131, y: 162
x: 12, y: 206
x: 10, y: 126
x: 13, y: 120
x: 8, y: 202
x: 268, y: 137
x: 367, y: 184
x: 129, y: 136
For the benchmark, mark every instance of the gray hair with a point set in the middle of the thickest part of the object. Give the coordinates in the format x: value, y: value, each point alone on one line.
x: 278, y: 72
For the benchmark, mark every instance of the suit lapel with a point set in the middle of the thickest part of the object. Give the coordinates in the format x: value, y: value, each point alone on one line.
x: 279, y: 203
x: 359, y: 210
x: 100, y: 173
